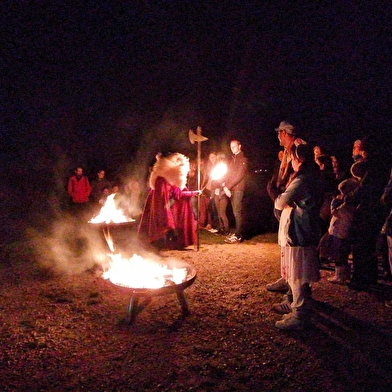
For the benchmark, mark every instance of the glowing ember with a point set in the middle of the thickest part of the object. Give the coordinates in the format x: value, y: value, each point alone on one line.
x: 218, y: 171
x: 110, y: 213
x: 137, y: 272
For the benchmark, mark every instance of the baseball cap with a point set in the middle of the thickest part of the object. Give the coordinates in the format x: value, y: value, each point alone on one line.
x: 287, y: 127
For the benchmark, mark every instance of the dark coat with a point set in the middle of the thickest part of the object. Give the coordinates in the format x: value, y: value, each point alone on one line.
x: 235, y: 179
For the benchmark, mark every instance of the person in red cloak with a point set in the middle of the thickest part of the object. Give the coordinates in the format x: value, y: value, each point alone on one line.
x: 167, y: 219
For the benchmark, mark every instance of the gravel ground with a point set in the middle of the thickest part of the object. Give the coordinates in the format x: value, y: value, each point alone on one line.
x: 70, y: 332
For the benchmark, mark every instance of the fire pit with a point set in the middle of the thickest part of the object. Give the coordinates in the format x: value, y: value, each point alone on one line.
x: 112, y: 220
x: 145, y: 279
x: 138, y: 276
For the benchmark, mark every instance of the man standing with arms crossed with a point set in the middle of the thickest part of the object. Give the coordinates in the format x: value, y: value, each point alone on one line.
x: 287, y: 135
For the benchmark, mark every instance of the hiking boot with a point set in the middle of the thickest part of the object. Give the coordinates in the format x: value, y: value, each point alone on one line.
x: 279, y: 286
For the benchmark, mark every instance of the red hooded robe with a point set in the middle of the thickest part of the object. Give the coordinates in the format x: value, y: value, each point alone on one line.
x: 167, y: 215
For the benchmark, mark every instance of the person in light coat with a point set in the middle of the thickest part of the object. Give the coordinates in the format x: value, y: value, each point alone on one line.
x: 299, y: 234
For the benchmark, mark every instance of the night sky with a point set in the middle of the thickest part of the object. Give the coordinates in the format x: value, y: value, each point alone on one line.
x: 112, y: 83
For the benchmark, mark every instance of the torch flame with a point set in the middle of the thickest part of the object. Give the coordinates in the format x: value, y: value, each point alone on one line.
x: 218, y: 171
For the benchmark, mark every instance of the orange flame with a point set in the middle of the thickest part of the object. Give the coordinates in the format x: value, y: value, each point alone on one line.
x: 218, y: 171
x: 137, y: 272
x: 110, y: 213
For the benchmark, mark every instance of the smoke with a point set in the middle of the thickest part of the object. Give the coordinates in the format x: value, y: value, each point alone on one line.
x: 69, y: 246
x: 73, y: 246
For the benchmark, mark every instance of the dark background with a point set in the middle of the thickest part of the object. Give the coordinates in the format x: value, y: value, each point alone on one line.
x: 109, y: 84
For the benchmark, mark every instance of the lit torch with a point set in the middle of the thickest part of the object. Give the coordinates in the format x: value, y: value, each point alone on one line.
x: 218, y: 171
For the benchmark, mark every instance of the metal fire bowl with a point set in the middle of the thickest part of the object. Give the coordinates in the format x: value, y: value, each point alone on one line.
x: 104, y: 225
x: 136, y: 293
x: 170, y: 289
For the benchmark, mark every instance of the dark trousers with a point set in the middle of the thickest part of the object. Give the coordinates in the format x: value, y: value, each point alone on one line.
x: 236, y: 203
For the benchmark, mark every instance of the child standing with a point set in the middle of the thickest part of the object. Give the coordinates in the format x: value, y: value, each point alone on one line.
x: 335, y: 244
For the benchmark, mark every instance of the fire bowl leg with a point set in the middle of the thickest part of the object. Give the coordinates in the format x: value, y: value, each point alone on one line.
x: 132, y: 309
x: 183, y: 303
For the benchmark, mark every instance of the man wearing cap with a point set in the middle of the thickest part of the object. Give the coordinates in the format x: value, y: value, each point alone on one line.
x: 287, y: 136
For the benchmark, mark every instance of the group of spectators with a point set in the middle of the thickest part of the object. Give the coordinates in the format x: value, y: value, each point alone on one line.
x: 221, y: 188
x: 326, y: 213
x: 87, y: 198
x: 180, y: 198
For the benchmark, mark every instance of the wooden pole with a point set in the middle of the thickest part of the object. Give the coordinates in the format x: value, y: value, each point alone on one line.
x: 198, y: 185
x: 197, y: 138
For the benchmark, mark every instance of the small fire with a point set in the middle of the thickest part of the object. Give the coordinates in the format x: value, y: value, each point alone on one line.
x: 110, y: 213
x: 218, y: 171
x: 137, y: 272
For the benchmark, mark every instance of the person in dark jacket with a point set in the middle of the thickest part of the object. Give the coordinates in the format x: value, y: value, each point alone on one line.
x: 234, y: 187
x: 367, y: 224
x: 386, y: 199
x: 99, y: 186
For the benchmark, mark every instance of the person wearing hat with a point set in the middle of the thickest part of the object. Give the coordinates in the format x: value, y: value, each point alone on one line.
x: 299, y: 234
x: 287, y: 135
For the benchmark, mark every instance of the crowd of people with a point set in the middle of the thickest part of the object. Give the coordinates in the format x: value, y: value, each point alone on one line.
x: 88, y: 197
x: 175, y: 208
x: 325, y: 214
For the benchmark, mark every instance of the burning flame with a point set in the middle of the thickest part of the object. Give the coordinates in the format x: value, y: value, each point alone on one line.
x: 218, y: 171
x: 110, y: 213
x: 137, y: 272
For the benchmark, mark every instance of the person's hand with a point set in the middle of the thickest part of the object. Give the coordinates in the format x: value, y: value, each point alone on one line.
x: 198, y: 192
x: 227, y: 191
